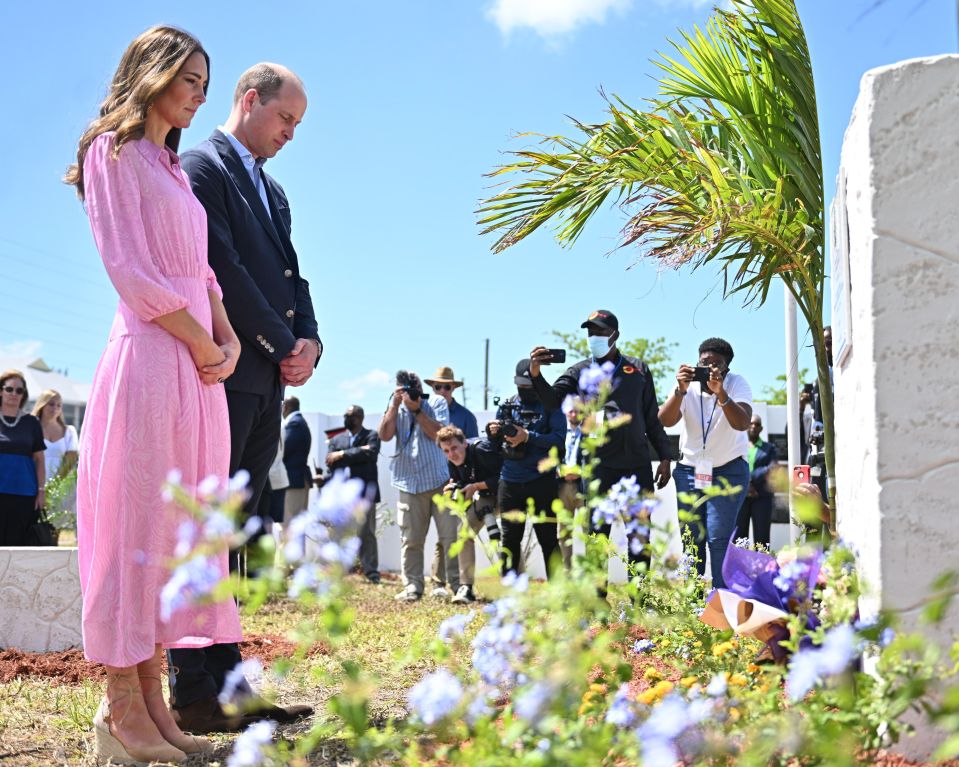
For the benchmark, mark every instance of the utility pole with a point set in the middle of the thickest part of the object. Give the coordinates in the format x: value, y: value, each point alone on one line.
x: 486, y: 378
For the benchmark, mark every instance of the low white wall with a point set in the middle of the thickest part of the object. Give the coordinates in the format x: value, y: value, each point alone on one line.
x: 40, y: 601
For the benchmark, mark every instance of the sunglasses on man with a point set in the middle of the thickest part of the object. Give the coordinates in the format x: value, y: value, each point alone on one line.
x: 442, y: 387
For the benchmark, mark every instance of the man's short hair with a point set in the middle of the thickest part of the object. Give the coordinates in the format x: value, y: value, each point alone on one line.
x: 292, y: 402
x: 265, y: 79
x: 358, y: 410
x: 448, y: 434
x: 718, y: 346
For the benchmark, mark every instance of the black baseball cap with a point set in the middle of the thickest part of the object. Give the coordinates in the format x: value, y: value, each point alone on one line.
x: 522, y: 377
x: 602, y: 318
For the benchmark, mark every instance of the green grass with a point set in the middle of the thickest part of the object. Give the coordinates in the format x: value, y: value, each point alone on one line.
x: 42, y: 724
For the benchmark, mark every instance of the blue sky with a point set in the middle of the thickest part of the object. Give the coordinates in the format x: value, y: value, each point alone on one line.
x: 410, y: 104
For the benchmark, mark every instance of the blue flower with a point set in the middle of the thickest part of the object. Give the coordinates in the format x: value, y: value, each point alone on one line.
x: 621, y: 711
x: 886, y: 637
x: 250, y: 747
x: 833, y: 656
x: 435, y: 696
x: 341, y: 502
x: 643, y: 645
x: 189, y: 582
x: 455, y: 625
x: 717, y: 686
x: 591, y: 380
x: 218, y: 526
x: 533, y: 702
x: 247, y: 671
x: 479, y: 706
x: 519, y: 583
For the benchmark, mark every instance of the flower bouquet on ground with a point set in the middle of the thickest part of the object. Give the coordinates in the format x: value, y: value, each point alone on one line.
x: 762, y: 592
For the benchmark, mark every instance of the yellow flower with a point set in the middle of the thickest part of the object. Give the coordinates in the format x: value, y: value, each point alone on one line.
x: 697, y: 643
x: 688, y: 681
x: 652, y: 674
x: 738, y: 680
x: 734, y: 714
x: 722, y: 648
x: 654, y: 694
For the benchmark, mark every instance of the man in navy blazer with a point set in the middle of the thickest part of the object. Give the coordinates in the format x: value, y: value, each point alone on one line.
x: 297, y: 442
x: 758, y: 505
x: 269, y: 306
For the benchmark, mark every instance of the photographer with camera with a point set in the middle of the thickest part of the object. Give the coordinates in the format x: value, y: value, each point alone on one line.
x: 626, y: 452
x: 418, y: 471
x: 715, y: 407
x: 474, y: 467
x: 525, y: 431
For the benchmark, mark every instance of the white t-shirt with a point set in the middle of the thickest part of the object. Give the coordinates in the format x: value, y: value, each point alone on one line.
x: 53, y: 456
x: 723, y: 442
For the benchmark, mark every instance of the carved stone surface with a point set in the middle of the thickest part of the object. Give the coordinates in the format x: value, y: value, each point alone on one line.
x: 40, y: 604
x: 897, y: 402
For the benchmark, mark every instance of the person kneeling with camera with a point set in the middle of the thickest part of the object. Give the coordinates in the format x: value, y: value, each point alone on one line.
x: 474, y: 467
x: 525, y: 432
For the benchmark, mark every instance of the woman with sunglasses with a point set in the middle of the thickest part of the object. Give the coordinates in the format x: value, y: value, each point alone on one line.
x: 22, y: 472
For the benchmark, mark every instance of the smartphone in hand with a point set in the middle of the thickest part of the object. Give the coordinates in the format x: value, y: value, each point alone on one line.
x: 556, y: 355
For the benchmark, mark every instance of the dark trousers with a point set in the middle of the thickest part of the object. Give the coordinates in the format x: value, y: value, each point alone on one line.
x: 513, y: 497
x: 17, y: 513
x: 196, y: 674
x: 609, y: 476
x: 369, y: 551
x: 760, y: 511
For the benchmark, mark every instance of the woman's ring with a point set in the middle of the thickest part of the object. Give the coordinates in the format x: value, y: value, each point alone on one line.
x: 220, y: 380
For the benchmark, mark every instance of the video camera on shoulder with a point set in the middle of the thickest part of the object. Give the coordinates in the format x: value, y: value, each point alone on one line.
x: 410, y: 384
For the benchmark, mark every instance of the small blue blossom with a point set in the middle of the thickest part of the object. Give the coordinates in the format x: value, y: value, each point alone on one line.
x: 435, y: 696
x: 886, y: 636
x: 455, y: 625
x: 717, y: 686
x: 218, y: 526
x: 245, y: 673
x: 533, y: 702
x: 518, y: 583
x: 591, y: 380
x: 479, y: 707
x: 189, y: 582
x: 543, y: 745
x: 250, y: 747
x: 643, y: 645
x: 622, y: 712
x: 833, y: 656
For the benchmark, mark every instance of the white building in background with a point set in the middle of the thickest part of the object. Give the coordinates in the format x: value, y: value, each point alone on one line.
x: 41, y: 376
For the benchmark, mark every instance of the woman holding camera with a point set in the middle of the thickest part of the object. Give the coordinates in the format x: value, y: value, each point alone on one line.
x: 715, y: 407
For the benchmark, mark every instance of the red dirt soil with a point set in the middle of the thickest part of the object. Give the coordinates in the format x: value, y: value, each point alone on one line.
x: 70, y: 667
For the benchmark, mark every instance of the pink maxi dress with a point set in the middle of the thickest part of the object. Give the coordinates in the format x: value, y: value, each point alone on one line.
x: 148, y: 411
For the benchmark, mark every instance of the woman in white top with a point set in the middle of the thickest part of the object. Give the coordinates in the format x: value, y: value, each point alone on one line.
x: 61, y: 439
x: 715, y: 414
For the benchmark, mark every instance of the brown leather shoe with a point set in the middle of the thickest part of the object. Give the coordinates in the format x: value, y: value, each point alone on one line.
x: 208, y: 716
x: 255, y: 708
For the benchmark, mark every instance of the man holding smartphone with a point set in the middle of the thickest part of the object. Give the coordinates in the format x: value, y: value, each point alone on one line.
x: 626, y: 453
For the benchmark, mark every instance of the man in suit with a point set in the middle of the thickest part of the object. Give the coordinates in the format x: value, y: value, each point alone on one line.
x: 297, y: 441
x: 357, y: 450
x: 758, y: 505
x: 269, y: 306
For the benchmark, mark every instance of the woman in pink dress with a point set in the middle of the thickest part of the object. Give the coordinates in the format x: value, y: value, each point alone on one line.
x: 157, y: 402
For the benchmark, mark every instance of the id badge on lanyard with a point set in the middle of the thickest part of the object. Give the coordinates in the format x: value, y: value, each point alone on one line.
x: 703, y: 473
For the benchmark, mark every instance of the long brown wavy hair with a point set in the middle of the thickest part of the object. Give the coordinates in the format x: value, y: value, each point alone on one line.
x: 149, y: 65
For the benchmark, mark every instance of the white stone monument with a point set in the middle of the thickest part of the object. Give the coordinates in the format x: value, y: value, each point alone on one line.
x: 895, y: 279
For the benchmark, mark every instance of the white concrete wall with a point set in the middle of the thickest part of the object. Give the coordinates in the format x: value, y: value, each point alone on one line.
x: 897, y: 391
x: 39, y: 599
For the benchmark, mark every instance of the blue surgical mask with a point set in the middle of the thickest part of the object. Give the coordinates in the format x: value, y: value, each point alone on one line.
x: 599, y: 346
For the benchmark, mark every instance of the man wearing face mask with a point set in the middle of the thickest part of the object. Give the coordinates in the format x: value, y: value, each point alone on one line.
x: 626, y: 453
x: 526, y: 441
x: 357, y: 450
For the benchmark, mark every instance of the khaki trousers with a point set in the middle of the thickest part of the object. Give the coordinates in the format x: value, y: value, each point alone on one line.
x: 413, y: 514
x: 295, y: 502
x: 467, y: 556
x: 568, y: 494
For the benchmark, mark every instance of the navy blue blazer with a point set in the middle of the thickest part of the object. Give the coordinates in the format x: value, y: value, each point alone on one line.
x: 766, y: 457
x: 296, y: 450
x: 360, y: 458
x: 266, y: 299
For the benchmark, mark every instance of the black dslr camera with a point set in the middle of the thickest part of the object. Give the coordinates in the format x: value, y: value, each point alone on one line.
x: 511, y: 414
x: 410, y: 384
x: 489, y: 519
